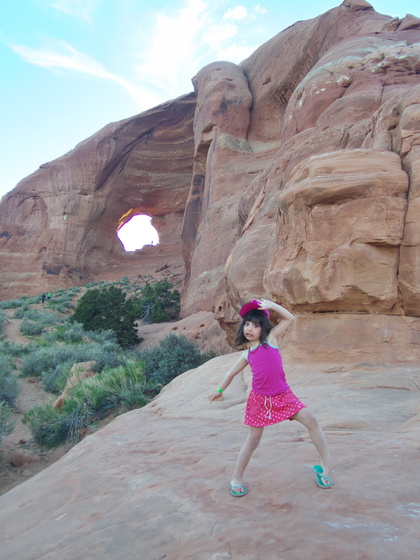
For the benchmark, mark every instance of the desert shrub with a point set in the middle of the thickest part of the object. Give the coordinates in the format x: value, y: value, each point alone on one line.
x: 158, y: 302
x: 172, y: 356
x: 112, y: 392
x: 50, y: 429
x: 52, y: 363
x: 13, y: 349
x: 115, y: 389
x: 3, y: 319
x: 102, y: 337
x: 31, y: 328
x: 8, y: 381
x: 13, y: 303
x: 61, y: 301
x: 6, y: 424
x: 20, y: 312
x: 66, y: 332
x: 54, y: 380
x: 109, y: 309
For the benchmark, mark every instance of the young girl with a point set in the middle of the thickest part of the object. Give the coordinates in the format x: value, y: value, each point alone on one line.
x: 270, y: 400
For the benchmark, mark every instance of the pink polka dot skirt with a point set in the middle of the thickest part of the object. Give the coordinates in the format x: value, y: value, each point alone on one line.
x: 264, y: 411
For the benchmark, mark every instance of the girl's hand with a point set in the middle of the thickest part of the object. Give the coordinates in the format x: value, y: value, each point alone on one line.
x: 265, y: 304
x: 216, y: 397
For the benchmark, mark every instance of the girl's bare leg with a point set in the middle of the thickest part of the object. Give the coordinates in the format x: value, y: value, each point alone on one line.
x: 316, y: 434
x: 245, y: 454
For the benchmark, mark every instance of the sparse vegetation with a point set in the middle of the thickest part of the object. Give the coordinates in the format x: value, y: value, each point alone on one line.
x: 6, y: 425
x: 101, y: 330
x: 8, y: 381
x: 8, y: 394
x: 172, y: 356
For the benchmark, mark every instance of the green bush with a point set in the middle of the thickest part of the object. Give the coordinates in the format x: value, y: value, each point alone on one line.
x: 3, y: 319
x: 66, y: 332
x: 172, y: 356
x: 6, y: 424
x: 31, y: 328
x: 13, y: 303
x: 8, y: 382
x: 94, y: 398
x: 158, y: 302
x: 50, y: 429
x: 115, y: 389
x: 13, y: 349
x: 108, y: 309
x: 53, y: 363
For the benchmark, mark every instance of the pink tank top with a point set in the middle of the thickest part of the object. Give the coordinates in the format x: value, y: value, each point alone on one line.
x: 268, y: 376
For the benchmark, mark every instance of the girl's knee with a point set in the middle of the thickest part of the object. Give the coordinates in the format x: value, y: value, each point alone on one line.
x: 254, y: 437
x: 306, y: 417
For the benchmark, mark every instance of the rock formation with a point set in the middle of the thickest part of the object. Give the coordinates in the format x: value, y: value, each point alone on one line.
x: 58, y: 226
x: 154, y: 484
x: 293, y: 175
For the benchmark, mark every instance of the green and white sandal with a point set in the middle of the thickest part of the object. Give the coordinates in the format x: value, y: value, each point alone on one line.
x: 322, y: 480
x: 240, y: 487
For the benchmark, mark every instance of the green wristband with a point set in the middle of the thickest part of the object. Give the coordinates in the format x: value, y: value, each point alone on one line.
x: 220, y: 390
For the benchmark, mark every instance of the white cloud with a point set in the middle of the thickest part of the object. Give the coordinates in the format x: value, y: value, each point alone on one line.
x: 58, y: 55
x: 167, y: 52
x: 82, y: 9
x: 218, y: 34
x: 236, y: 53
x: 172, y: 45
x: 260, y: 10
x: 237, y: 13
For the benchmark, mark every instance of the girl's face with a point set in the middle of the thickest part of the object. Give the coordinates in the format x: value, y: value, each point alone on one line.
x: 252, y: 331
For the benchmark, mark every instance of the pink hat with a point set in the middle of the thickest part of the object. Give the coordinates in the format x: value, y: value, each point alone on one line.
x: 252, y: 305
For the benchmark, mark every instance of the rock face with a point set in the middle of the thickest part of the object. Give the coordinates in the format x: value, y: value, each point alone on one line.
x: 293, y: 175
x: 58, y: 226
x: 154, y: 484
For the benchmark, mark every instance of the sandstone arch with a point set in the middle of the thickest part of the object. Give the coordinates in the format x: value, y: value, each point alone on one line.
x: 58, y: 225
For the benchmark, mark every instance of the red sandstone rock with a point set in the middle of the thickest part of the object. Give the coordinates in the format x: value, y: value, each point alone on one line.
x: 305, y: 189
x: 78, y: 372
x: 23, y: 457
x: 58, y: 226
x: 154, y: 482
x: 302, y: 170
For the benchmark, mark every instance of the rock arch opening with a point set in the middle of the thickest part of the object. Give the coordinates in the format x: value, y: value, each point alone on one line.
x: 136, y: 231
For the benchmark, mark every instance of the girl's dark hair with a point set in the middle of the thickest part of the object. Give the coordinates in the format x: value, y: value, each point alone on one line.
x: 254, y: 316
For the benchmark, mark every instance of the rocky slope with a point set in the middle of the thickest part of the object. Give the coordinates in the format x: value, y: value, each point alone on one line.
x: 294, y: 175
x: 154, y: 484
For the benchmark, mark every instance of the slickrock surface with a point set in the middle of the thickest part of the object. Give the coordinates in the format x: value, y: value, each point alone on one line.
x: 153, y: 484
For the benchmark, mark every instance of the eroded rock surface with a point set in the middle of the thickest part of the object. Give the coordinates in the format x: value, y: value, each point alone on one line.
x: 58, y: 226
x: 154, y: 483
x: 294, y: 175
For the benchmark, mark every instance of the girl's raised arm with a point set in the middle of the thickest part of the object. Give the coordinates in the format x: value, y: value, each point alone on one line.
x: 287, y: 317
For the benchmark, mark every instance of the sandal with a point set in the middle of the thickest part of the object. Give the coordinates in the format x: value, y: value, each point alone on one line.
x: 320, y: 477
x: 242, y: 490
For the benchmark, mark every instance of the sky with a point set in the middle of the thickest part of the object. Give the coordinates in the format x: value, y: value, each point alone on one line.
x: 69, y: 67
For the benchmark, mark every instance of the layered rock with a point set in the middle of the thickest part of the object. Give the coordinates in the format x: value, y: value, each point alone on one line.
x: 293, y: 175
x: 298, y: 179
x: 58, y: 226
x: 154, y: 483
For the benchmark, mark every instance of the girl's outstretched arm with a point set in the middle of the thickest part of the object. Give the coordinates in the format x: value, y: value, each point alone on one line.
x: 287, y: 317
x: 226, y: 381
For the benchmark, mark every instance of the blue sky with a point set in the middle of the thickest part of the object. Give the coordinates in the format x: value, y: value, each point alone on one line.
x: 69, y: 67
